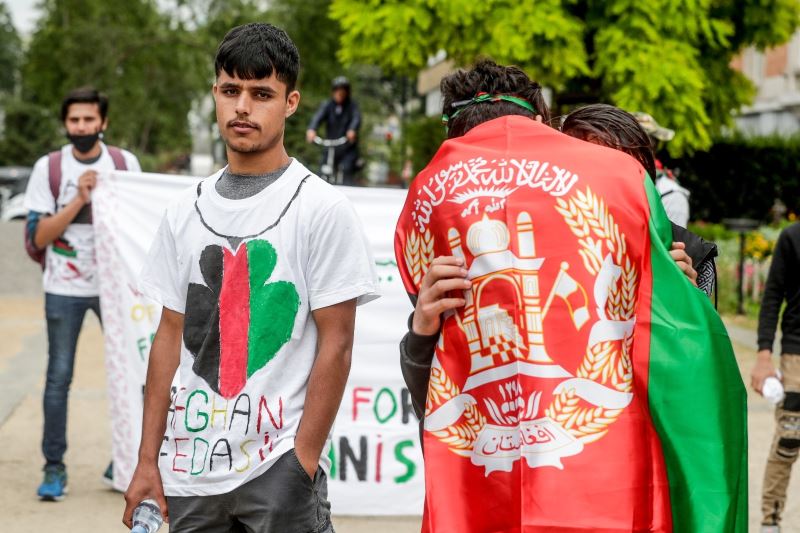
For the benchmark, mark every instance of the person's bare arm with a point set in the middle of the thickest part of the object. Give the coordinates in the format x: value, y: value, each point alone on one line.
x: 164, y: 358
x: 51, y: 227
x: 335, y: 325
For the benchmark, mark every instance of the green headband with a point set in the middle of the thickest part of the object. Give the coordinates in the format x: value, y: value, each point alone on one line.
x: 485, y: 97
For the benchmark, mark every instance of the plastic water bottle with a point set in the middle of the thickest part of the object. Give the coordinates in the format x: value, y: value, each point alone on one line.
x: 147, y: 517
x: 773, y: 389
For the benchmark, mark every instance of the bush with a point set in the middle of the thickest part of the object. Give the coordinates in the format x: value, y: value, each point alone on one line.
x: 741, y: 177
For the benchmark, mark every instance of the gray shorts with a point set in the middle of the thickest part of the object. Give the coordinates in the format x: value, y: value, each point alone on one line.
x: 281, y: 500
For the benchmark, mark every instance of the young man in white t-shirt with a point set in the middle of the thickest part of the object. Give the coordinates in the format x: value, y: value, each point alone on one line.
x: 60, y: 224
x: 259, y: 270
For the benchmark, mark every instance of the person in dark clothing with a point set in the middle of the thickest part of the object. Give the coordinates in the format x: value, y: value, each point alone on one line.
x: 783, y: 285
x: 342, y: 118
x: 600, y: 124
x: 616, y: 128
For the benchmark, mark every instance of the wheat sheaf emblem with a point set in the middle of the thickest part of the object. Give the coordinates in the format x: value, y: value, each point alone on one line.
x: 418, y: 254
x: 607, y: 363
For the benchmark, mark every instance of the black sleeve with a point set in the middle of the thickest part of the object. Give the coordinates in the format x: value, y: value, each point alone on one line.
x: 774, y: 293
x: 355, y: 118
x: 318, y: 117
x: 416, y: 357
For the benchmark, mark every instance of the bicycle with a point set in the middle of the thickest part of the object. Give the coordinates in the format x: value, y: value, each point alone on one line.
x: 327, y: 170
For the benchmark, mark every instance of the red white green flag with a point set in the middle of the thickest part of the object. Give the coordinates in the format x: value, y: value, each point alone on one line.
x: 586, y: 385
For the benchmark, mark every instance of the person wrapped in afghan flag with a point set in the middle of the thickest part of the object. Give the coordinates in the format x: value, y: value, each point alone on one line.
x: 580, y: 381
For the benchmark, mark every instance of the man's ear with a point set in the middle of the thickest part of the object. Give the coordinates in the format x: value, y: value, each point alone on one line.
x: 104, y: 125
x: 292, y: 101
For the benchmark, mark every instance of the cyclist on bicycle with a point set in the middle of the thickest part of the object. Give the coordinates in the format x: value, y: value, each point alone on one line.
x: 343, y: 119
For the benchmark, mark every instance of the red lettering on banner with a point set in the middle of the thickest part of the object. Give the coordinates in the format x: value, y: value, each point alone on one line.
x: 359, y: 399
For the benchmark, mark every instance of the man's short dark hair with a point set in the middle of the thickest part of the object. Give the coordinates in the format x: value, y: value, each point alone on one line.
x: 85, y: 95
x: 491, y: 78
x: 613, y: 127
x: 256, y: 50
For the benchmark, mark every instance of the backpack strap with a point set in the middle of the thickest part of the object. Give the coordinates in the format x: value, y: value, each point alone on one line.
x: 54, y: 173
x: 117, y: 157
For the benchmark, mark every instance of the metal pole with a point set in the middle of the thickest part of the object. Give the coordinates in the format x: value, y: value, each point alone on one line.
x: 740, y: 308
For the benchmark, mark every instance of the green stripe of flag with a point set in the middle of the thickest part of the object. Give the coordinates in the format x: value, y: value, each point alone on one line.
x: 697, y: 399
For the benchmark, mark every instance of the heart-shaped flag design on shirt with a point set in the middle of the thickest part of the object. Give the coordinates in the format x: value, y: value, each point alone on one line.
x: 238, y: 321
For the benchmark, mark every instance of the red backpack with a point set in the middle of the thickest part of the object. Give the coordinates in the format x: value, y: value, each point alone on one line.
x: 54, y: 173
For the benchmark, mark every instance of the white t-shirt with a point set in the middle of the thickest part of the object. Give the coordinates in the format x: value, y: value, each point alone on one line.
x: 249, y: 339
x: 675, y: 199
x: 70, y: 265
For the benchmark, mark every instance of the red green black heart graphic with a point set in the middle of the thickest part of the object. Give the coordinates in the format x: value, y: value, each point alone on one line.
x: 237, y: 322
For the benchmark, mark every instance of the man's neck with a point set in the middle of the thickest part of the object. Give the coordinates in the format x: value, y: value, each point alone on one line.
x: 94, y: 153
x: 253, y: 163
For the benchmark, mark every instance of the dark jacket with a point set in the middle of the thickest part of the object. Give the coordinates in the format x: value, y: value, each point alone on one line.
x: 702, y: 253
x: 783, y: 284
x: 338, y: 119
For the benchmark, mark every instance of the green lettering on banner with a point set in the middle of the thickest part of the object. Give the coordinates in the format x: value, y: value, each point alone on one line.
x: 377, y: 403
x: 194, y: 454
x: 411, y: 468
x: 200, y: 414
x: 332, y: 456
x: 142, y: 345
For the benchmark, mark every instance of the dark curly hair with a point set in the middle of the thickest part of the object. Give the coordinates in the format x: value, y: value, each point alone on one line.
x: 613, y: 127
x: 489, y: 77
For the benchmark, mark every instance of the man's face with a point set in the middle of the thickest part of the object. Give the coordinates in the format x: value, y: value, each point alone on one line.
x: 251, y: 114
x: 339, y: 95
x: 84, y: 119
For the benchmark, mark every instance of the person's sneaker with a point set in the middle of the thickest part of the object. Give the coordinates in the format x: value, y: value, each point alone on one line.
x: 54, y: 485
x: 108, y: 475
x: 770, y: 529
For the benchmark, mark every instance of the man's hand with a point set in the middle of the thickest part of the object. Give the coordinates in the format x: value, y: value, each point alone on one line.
x: 86, y: 183
x: 351, y: 135
x: 762, y: 370
x: 310, y: 134
x: 684, y: 262
x: 307, y: 459
x: 146, y: 484
x: 446, y: 274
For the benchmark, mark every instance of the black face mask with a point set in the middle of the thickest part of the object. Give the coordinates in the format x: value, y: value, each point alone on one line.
x: 84, y: 143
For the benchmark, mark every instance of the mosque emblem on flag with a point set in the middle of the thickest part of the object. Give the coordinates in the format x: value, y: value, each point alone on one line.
x: 518, y: 401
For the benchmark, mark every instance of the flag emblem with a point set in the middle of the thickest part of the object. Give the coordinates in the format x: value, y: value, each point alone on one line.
x: 518, y: 401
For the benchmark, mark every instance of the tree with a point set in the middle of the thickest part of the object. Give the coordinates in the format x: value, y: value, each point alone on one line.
x: 10, y: 51
x: 29, y: 132
x: 148, y: 63
x: 670, y: 58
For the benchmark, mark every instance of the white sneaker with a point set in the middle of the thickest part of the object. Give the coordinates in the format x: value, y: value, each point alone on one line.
x: 770, y: 529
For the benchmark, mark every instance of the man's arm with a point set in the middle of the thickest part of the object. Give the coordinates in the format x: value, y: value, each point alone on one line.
x: 316, y: 121
x: 52, y: 227
x: 445, y: 276
x: 164, y: 358
x: 416, y: 358
x: 335, y: 325
x: 355, y: 122
x: 771, y: 301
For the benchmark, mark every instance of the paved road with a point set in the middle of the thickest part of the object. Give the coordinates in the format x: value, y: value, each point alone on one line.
x: 90, y: 506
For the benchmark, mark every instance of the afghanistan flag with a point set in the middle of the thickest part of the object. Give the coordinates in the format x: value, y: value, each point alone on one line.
x: 586, y: 385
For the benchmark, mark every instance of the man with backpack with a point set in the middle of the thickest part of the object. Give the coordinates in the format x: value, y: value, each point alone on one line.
x: 59, y: 235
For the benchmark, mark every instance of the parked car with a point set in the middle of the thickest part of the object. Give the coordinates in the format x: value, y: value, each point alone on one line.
x: 13, y: 182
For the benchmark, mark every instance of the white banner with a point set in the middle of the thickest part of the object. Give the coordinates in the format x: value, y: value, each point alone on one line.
x: 377, y: 460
